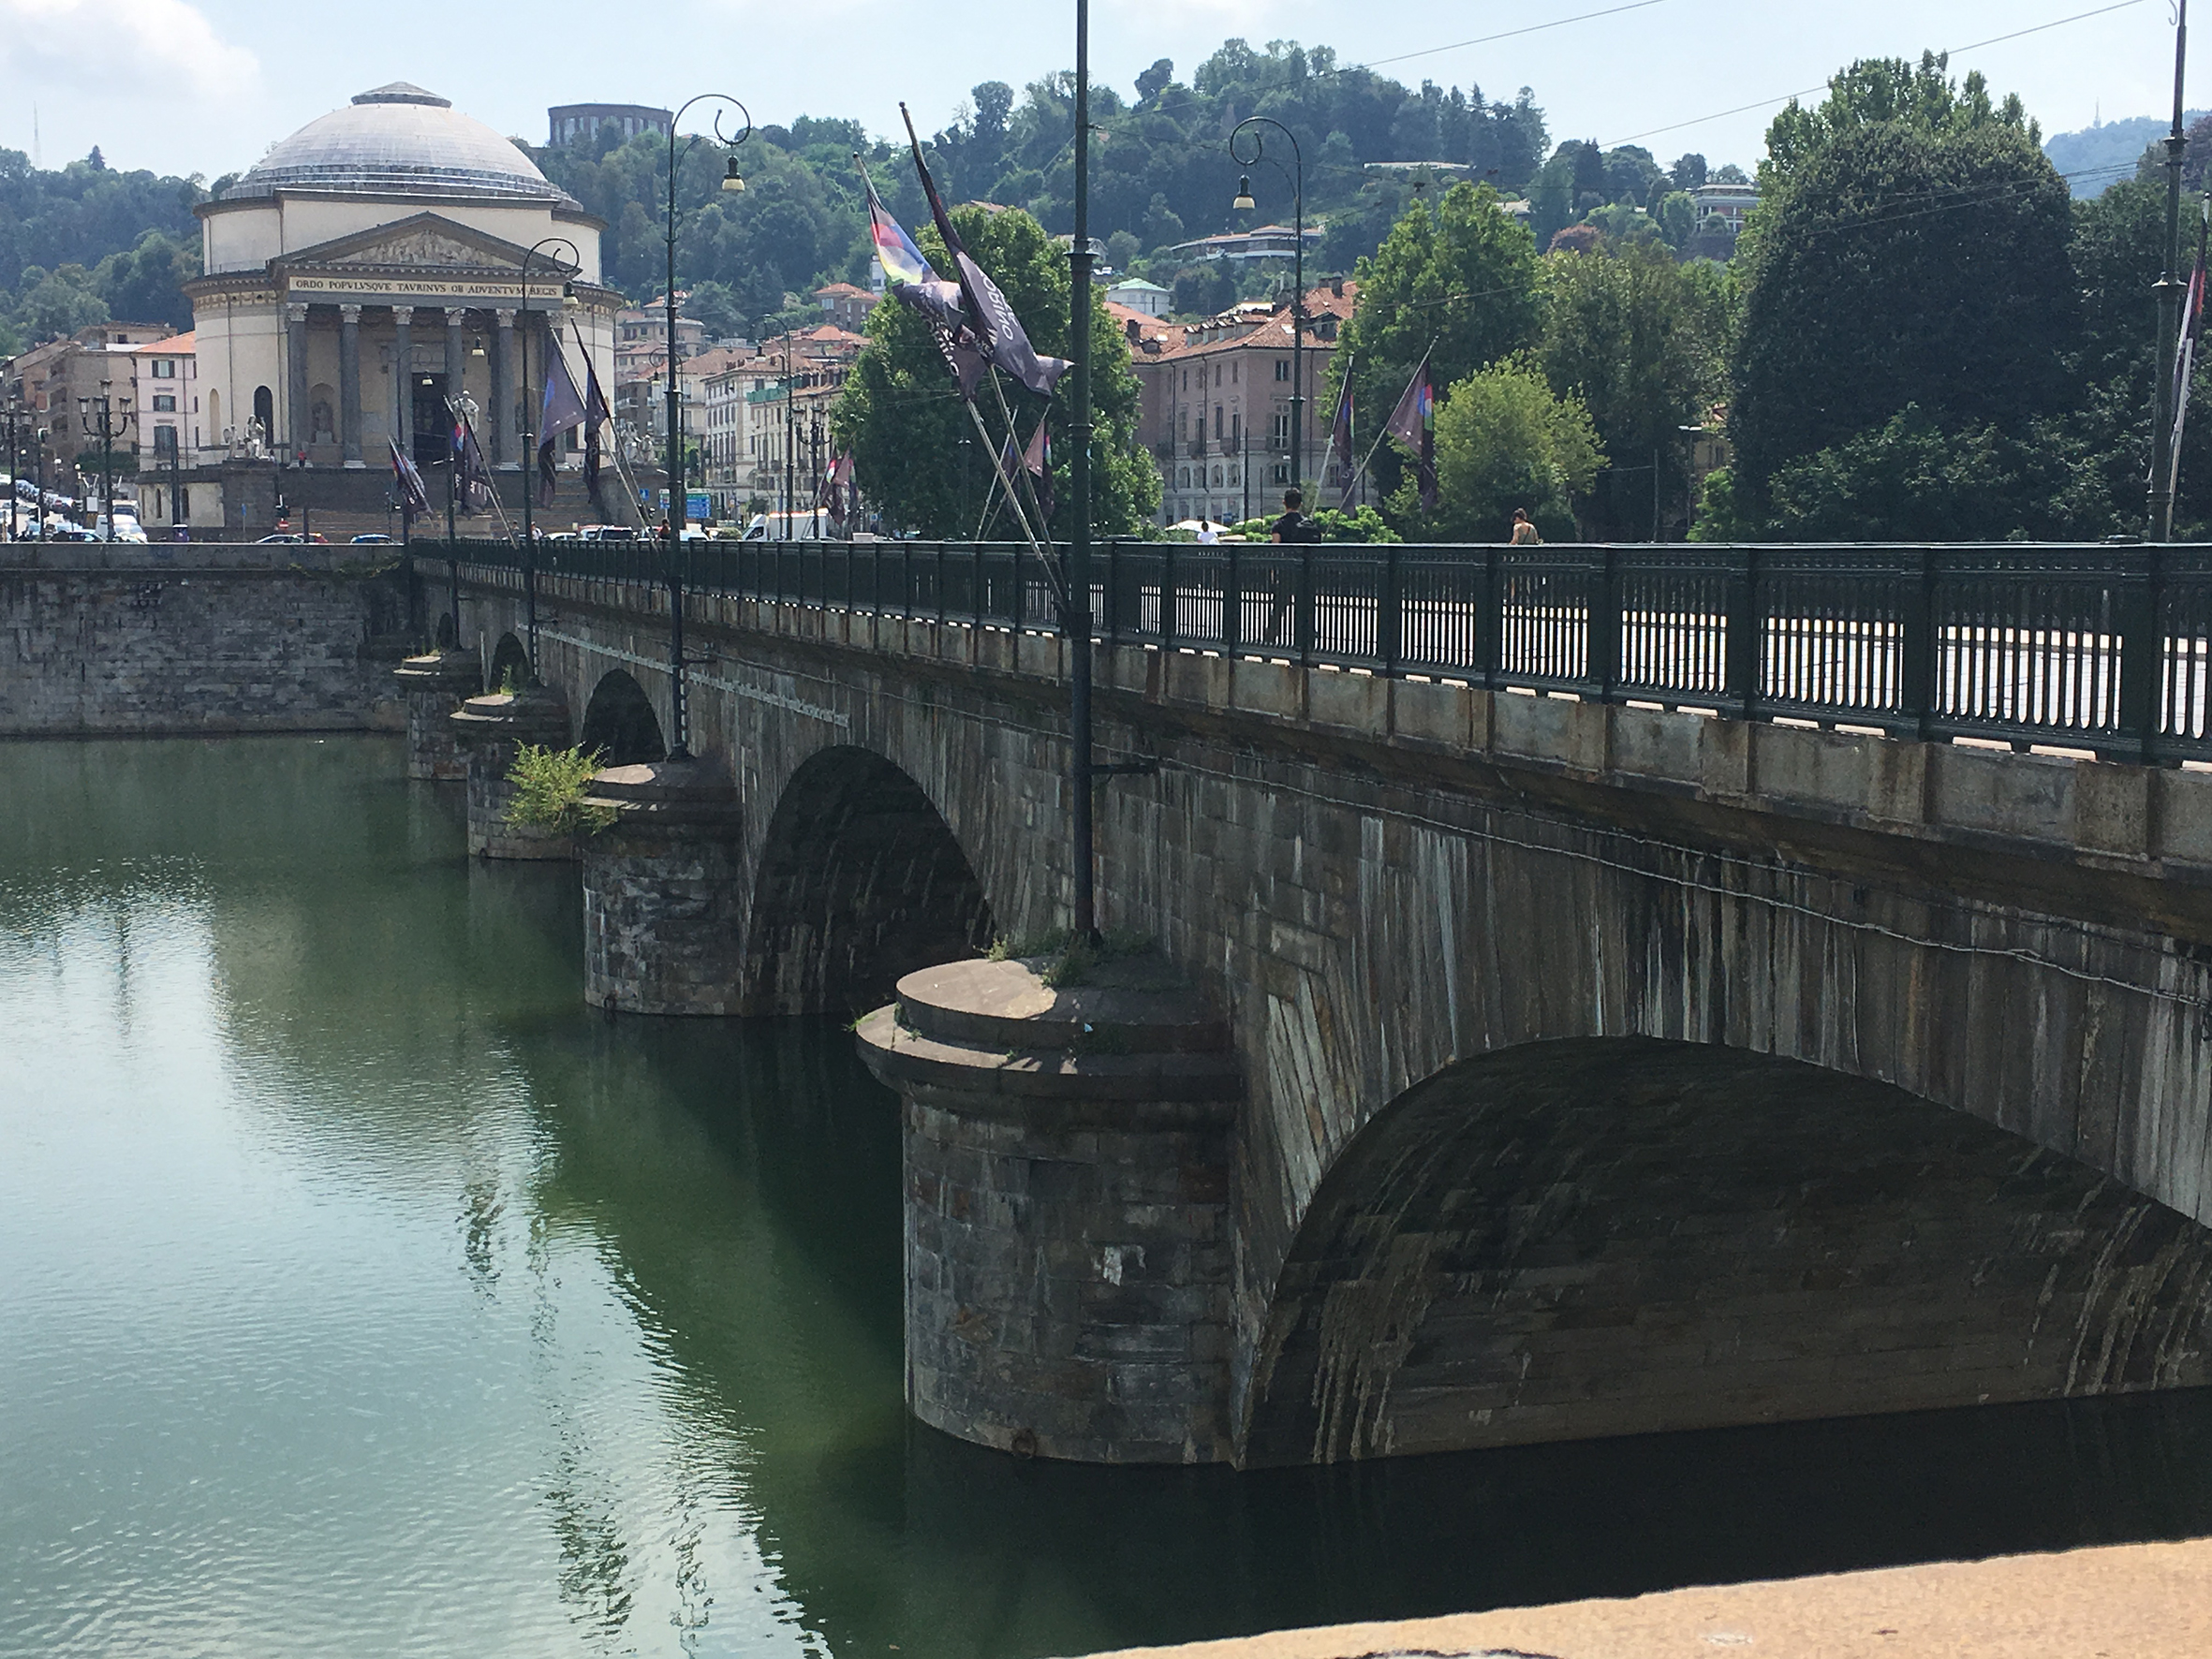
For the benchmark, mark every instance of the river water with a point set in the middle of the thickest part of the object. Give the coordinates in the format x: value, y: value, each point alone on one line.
x: 363, y: 1293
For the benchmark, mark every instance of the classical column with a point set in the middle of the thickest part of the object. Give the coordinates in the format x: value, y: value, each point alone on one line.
x: 456, y: 351
x: 349, y: 383
x: 503, y: 389
x: 403, y: 377
x: 297, y: 425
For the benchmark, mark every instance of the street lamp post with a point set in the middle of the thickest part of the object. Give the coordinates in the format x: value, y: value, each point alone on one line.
x: 575, y: 262
x: 1078, y: 624
x: 179, y: 520
x: 462, y: 409
x: 680, y: 747
x: 2168, y: 291
x: 791, y: 494
x: 14, y: 467
x: 97, y: 417
x: 1244, y: 203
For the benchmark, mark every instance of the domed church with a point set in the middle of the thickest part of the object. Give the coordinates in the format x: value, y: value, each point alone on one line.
x: 372, y: 265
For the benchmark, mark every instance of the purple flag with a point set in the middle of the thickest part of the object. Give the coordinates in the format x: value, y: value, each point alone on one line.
x: 1413, y: 424
x: 414, y: 498
x: 1340, y: 442
x: 562, y: 408
x: 998, y: 333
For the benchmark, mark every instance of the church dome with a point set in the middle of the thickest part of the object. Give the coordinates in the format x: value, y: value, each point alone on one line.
x: 399, y: 139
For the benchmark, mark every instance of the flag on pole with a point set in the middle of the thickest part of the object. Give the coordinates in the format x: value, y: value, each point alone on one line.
x: 595, y: 415
x: 998, y: 333
x: 414, y: 498
x: 911, y: 281
x: 2188, y: 349
x: 1340, y: 442
x: 1413, y: 424
x: 562, y: 409
x: 1038, y: 460
x: 473, y: 481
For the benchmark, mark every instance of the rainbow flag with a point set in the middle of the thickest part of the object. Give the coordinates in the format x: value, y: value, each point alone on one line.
x: 901, y: 261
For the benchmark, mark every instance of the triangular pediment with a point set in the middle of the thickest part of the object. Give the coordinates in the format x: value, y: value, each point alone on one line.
x: 425, y: 242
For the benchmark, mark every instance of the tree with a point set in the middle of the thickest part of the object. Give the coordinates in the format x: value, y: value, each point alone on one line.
x: 903, y: 425
x: 53, y: 307
x: 1153, y: 81
x: 1505, y: 440
x: 717, y: 308
x: 1689, y: 173
x: 1201, y: 290
x: 1911, y: 480
x: 147, y: 282
x: 1640, y: 341
x: 1676, y: 216
x: 1456, y: 282
x: 1912, y: 246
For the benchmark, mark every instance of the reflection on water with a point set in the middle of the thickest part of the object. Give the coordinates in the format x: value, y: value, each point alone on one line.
x: 365, y: 1294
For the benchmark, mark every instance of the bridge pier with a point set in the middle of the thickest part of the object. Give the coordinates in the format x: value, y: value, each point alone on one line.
x: 488, y: 730
x: 662, y: 924
x: 1067, y: 1209
x: 432, y: 688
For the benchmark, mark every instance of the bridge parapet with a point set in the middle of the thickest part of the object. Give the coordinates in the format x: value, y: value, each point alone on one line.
x: 2111, y: 816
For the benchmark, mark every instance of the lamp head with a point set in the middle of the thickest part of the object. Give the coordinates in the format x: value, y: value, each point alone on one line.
x: 733, y: 179
x: 1244, y: 202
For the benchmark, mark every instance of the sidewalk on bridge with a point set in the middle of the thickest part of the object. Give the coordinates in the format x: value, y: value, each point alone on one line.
x: 2133, y: 1601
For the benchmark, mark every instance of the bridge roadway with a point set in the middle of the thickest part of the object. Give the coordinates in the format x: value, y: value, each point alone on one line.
x: 1607, y: 1067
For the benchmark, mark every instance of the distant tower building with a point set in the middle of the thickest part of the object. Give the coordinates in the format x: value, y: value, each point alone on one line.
x: 567, y: 123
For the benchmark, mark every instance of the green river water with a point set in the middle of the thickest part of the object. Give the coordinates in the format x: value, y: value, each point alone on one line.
x: 364, y: 1293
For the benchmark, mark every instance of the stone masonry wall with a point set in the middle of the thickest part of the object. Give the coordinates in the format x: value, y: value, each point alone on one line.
x: 156, y: 647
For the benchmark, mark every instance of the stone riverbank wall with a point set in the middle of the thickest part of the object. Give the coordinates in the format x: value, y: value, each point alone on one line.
x: 153, y: 639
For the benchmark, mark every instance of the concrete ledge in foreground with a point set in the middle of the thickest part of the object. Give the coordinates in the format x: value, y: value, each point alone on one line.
x: 2133, y: 1601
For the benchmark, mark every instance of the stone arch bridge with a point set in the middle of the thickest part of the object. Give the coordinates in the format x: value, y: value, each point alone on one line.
x: 1603, y: 1068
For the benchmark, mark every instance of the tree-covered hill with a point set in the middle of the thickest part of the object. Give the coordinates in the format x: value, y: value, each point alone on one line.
x: 85, y: 242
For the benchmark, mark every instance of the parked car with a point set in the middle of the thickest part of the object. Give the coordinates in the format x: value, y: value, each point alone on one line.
x: 374, y: 538
x: 281, y: 536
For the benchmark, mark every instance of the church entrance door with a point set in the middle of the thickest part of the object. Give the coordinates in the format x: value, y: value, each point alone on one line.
x: 433, y: 425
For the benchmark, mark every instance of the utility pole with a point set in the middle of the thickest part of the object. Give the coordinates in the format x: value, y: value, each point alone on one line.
x: 2169, y: 293
x: 790, y: 434
x: 1079, y: 482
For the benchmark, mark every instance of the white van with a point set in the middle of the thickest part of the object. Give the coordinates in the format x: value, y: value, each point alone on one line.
x: 813, y: 526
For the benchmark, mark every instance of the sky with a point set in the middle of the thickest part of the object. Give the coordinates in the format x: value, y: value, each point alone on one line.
x: 184, y: 86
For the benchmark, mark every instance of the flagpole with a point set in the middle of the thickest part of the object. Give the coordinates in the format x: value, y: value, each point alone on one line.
x: 1054, y: 579
x: 1079, y: 481
x: 1360, y: 477
x: 1043, y: 538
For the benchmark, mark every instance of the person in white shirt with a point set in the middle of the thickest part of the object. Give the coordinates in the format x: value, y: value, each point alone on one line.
x: 1208, y: 534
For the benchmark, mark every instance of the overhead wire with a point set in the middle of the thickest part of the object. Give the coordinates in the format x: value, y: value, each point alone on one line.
x: 1810, y: 91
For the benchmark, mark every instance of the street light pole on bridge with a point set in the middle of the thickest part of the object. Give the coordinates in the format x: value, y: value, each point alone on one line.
x: 678, y: 476
x: 2169, y: 291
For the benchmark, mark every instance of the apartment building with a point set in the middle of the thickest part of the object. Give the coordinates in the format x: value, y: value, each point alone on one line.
x: 1217, y: 409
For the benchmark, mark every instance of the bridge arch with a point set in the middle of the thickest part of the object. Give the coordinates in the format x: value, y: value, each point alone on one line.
x: 858, y: 881
x: 619, y: 722
x: 1608, y: 1236
x: 509, y: 665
